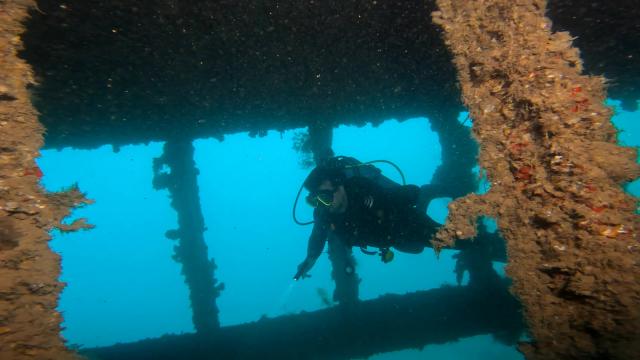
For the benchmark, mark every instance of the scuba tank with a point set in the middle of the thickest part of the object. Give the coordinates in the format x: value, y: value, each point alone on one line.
x: 352, y: 167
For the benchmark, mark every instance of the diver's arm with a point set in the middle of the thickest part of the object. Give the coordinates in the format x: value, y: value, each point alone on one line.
x: 314, y: 248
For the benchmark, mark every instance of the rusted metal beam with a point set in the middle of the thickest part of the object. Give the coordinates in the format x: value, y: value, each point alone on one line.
x: 389, y: 323
x: 29, y: 269
x: 343, y: 263
x: 550, y: 152
x: 180, y: 179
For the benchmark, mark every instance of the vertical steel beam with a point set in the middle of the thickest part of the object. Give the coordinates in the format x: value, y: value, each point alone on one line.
x: 342, y: 261
x: 176, y: 171
x: 550, y: 152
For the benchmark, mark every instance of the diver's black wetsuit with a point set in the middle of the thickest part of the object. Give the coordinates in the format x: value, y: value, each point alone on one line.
x: 375, y: 216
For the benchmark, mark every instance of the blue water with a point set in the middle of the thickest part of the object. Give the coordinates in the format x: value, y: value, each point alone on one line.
x: 628, y: 125
x: 123, y: 286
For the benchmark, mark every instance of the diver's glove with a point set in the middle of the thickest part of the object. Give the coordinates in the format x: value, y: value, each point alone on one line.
x: 302, y: 270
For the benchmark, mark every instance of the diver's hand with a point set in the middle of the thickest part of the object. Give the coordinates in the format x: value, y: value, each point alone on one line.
x: 302, y: 271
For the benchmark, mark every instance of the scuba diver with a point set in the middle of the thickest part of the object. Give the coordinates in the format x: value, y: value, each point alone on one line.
x: 355, y: 203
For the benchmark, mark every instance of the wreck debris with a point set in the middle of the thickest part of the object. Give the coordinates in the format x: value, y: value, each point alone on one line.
x: 191, y: 250
x: 554, y: 187
x: 454, y: 177
x: 550, y: 152
x: 343, y: 263
x: 388, y: 323
x: 29, y: 270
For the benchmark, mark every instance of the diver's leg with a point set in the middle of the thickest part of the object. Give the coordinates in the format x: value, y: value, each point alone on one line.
x: 414, y: 233
x: 427, y: 193
x: 343, y: 272
x: 415, y: 239
x: 410, y: 247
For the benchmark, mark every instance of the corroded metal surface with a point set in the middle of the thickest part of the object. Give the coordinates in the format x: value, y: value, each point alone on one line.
x: 366, y: 328
x: 549, y: 149
x: 29, y: 286
x: 120, y: 72
x: 117, y: 72
x: 191, y: 251
x: 546, y: 140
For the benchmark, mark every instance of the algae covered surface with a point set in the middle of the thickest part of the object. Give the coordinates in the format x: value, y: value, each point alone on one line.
x: 551, y: 155
x: 544, y: 134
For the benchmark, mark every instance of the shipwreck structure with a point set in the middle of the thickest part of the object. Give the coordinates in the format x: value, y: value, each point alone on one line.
x: 85, y: 74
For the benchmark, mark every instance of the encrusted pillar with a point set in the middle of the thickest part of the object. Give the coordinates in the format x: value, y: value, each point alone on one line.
x: 343, y: 272
x: 342, y: 261
x: 454, y: 177
x: 320, y: 141
x: 29, y: 270
x: 550, y: 152
x: 175, y: 171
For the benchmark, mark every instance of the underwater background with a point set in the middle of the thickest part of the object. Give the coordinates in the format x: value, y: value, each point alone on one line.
x: 123, y: 285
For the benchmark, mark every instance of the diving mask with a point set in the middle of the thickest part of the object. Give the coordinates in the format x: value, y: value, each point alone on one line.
x: 322, y: 197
